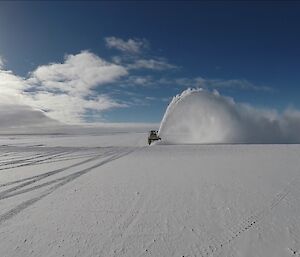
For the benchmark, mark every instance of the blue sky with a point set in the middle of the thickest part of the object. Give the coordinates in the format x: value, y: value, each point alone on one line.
x: 152, y: 50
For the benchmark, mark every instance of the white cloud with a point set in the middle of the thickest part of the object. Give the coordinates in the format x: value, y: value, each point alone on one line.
x: 151, y: 64
x: 13, y: 110
x: 131, y: 46
x: 134, y: 57
x: 134, y: 80
x: 78, y: 74
x: 64, y: 91
x: 200, y: 116
x: 69, y: 108
x: 11, y: 88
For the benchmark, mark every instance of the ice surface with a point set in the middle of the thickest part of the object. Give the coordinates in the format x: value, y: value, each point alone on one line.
x: 200, y: 116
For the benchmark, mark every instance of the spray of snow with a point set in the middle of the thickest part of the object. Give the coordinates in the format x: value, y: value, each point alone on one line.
x: 199, y: 116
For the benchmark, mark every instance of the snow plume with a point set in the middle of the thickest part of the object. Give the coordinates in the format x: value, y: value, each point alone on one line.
x: 1, y: 62
x: 200, y: 116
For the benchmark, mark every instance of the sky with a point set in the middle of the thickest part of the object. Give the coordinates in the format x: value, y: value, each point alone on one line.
x: 78, y: 62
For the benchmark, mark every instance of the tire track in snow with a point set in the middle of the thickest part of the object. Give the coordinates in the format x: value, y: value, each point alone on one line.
x: 218, y: 243
x: 57, y: 157
x: 65, y: 158
x: 38, y: 160
x: 27, y: 158
x: 12, y: 156
x: 14, y: 191
x: 22, y: 154
x: 61, y: 182
x: 12, y: 153
x: 53, y: 172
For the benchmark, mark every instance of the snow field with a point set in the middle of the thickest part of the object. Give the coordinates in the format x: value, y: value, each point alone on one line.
x: 163, y: 200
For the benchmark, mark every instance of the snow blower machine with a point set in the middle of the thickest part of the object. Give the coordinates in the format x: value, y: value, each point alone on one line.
x: 153, y: 136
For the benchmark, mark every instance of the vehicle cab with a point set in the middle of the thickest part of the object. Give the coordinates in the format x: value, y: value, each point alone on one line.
x: 153, y: 136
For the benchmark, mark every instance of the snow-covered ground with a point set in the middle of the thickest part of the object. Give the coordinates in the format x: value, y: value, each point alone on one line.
x: 110, y: 194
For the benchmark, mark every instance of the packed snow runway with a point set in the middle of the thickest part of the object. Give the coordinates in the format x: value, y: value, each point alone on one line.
x: 111, y: 195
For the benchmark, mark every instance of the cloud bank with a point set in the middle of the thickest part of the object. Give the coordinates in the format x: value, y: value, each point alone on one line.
x: 198, y: 116
x: 62, y: 91
x: 72, y: 91
x: 66, y: 90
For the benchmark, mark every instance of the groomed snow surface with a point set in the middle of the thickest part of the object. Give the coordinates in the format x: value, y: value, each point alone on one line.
x: 111, y: 195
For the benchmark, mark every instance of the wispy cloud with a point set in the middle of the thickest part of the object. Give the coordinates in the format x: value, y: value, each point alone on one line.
x: 134, y: 56
x: 240, y: 84
x: 131, y: 46
x: 180, y: 82
x: 152, y: 64
x: 135, y: 80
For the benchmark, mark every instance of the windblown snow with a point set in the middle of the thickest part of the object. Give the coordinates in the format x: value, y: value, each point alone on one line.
x: 200, y: 116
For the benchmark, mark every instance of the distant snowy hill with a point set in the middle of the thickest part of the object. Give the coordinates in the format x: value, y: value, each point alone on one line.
x: 22, y: 116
